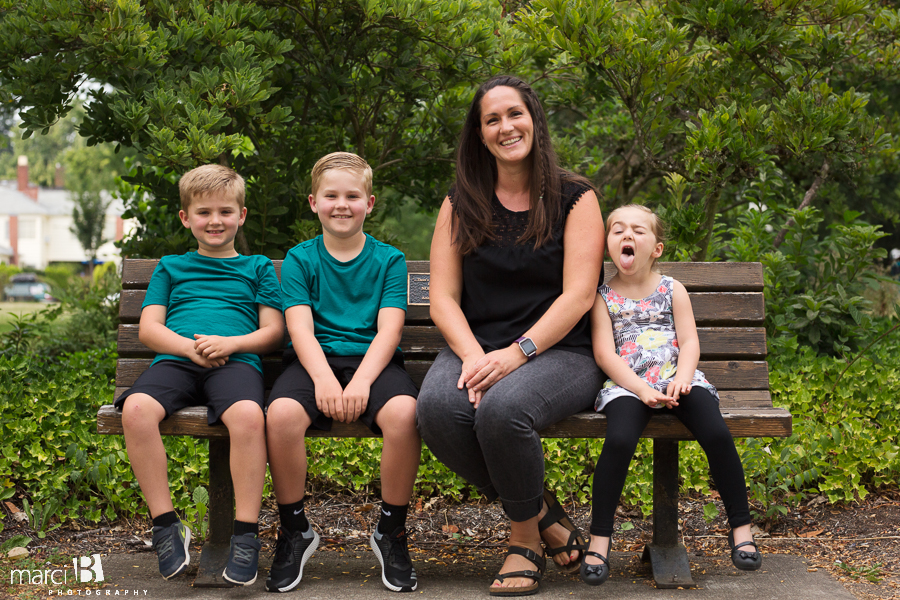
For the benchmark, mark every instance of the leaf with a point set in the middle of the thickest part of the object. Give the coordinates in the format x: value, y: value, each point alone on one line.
x: 710, y: 512
x: 626, y: 526
x: 450, y: 529
x: 17, y: 541
x: 809, y: 534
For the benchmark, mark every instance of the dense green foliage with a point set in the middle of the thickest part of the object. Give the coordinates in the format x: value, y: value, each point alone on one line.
x: 691, y: 105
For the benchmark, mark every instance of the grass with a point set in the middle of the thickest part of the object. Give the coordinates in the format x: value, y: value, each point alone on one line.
x: 8, y: 309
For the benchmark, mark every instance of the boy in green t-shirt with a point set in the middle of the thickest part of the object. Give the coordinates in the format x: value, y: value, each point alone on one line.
x: 208, y: 315
x: 345, y: 304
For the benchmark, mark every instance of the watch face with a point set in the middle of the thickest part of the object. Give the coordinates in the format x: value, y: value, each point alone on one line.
x: 528, y: 347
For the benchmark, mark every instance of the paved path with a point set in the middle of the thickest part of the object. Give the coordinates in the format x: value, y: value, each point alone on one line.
x: 353, y: 574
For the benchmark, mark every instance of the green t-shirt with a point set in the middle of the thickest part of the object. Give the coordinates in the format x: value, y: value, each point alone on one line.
x: 345, y: 297
x: 213, y: 296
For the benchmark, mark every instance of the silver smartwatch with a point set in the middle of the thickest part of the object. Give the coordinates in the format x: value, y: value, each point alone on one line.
x: 527, y: 346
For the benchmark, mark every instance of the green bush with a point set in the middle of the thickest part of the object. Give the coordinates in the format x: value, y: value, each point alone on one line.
x: 815, y: 282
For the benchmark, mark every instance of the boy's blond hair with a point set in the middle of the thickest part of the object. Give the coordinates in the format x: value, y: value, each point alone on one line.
x: 656, y: 224
x: 342, y: 160
x: 208, y: 179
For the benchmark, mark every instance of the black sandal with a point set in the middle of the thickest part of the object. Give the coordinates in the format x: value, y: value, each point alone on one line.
x: 595, y: 574
x: 556, y: 514
x: 743, y: 560
x: 538, y: 562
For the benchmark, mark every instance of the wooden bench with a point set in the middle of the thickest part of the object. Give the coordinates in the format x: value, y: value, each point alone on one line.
x: 729, y: 309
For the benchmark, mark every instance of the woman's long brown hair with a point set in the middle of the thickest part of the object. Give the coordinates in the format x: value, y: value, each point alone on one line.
x: 476, y: 175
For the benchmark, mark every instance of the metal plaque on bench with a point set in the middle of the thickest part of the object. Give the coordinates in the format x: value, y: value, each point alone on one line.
x: 417, y: 289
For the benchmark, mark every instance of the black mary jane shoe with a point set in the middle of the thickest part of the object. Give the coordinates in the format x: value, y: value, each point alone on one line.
x: 743, y: 560
x: 594, y: 574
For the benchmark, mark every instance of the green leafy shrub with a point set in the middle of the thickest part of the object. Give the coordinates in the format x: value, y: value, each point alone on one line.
x: 816, y: 280
x: 47, y: 442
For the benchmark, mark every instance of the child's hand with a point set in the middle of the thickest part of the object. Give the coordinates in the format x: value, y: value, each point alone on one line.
x: 654, y: 398
x: 328, y: 398
x: 214, y: 346
x: 206, y: 363
x: 356, y: 398
x: 676, y: 388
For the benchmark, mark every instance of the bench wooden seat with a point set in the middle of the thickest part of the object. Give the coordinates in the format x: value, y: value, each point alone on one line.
x: 729, y: 309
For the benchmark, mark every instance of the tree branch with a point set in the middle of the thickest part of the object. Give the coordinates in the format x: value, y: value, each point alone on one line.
x: 807, y: 199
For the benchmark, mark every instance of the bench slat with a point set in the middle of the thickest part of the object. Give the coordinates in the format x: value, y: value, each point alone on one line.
x: 748, y: 422
x: 725, y: 375
x: 710, y: 308
x: 716, y: 343
x: 696, y: 277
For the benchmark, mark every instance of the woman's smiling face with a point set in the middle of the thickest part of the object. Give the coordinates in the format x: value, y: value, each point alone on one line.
x: 506, y: 125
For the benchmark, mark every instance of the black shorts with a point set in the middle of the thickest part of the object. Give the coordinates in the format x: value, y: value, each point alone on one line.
x: 177, y: 384
x: 296, y: 383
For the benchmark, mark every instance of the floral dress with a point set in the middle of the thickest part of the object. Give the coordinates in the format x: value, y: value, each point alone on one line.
x: 644, y: 331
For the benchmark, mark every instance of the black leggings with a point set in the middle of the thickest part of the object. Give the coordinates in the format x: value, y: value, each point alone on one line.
x: 626, y: 418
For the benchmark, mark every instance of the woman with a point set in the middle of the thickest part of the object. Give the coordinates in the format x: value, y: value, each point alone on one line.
x: 515, y: 263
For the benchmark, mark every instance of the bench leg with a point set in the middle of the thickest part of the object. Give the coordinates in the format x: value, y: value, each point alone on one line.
x: 221, y: 517
x: 668, y: 558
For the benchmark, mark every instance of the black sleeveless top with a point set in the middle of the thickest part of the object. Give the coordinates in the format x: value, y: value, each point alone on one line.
x: 507, y: 287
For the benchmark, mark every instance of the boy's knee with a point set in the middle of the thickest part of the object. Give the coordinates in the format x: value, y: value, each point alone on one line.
x: 141, y: 411
x: 398, y: 415
x: 286, y: 415
x: 245, y: 417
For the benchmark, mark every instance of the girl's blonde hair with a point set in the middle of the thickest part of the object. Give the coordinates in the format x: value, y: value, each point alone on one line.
x: 657, y: 226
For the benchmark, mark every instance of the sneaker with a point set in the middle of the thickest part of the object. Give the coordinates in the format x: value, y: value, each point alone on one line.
x: 243, y: 559
x: 292, y: 550
x: 172, y: 545
x: 397, y: 572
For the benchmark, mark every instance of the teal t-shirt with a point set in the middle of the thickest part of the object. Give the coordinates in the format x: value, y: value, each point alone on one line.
x: 213, y: 296
x: 345, y: 297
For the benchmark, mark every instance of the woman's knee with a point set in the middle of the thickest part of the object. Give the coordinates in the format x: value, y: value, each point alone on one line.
x: 499, y: 416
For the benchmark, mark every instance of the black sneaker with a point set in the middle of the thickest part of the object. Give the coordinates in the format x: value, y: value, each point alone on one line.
x: 292, y: 550
x: 172, y: 545
x: 243, y: 559
x: 397, y: 572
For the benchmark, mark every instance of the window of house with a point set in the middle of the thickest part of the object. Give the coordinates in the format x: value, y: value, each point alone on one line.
x: 27, y: 228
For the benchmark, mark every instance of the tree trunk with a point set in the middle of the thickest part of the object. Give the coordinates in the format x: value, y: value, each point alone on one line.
x: 807, y: 199
x: 712, y: 204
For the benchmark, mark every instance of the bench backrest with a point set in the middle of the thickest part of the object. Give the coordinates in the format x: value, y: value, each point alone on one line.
x: 727, y: 299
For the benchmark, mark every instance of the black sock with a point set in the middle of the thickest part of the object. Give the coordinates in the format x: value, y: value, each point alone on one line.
x: 165, y: 519
x: 293, y: 517
x: 392, y: 517
x: 242, y: 527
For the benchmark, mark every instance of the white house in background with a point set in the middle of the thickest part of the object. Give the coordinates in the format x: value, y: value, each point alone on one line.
x: 35, y: 224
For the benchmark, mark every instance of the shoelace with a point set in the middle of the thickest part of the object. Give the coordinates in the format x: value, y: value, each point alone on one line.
x: 283, y: 550
x: 243, y: 554
x: 397, y: 553
x: 166, y: 545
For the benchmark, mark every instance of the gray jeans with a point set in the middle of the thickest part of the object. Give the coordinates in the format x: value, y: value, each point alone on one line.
x: 497, y: 447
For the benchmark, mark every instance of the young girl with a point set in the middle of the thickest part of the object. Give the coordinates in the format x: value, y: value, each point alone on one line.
x: 646, y: 341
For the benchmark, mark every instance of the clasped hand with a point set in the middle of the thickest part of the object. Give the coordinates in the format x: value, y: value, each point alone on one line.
x: 344, y: 405
x: 211, y: 350
x: 480, y: 373
x: 653, y: 397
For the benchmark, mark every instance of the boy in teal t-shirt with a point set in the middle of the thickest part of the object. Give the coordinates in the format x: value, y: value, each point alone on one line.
x: 345, y: 304
x: 208, y: 315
